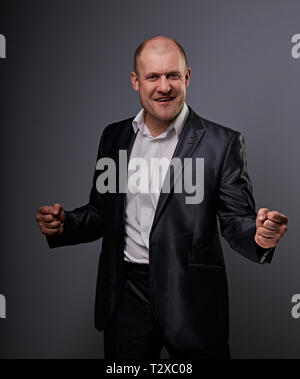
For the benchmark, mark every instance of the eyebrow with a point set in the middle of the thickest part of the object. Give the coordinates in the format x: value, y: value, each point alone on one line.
x: 158, y: 74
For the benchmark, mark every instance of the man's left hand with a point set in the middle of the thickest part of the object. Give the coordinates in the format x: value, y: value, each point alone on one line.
x: 270, y: 228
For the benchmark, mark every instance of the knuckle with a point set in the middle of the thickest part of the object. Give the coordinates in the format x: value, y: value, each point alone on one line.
x: 268, y: 224
x: 263, y: 210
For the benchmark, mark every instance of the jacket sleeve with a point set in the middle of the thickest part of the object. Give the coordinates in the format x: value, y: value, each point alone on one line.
x: 236, y: 208
x: 86, y: 223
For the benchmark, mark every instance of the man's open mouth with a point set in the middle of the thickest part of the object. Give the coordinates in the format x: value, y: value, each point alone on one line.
x: 165, y: 99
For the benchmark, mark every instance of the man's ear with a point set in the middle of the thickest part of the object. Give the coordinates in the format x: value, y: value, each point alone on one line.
x: 135, y: 81
x: 188, y: 76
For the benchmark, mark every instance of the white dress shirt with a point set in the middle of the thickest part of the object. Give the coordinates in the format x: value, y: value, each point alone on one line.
x: 141, y: 206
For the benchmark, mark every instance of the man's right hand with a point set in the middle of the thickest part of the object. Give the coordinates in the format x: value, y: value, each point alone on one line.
x: 51, y: 219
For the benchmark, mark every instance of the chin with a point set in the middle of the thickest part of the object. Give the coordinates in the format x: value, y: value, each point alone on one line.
x: 165, y: 117
x: 169, y: 116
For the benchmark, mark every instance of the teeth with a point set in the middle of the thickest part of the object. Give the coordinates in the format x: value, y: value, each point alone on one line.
x: 164, y: 99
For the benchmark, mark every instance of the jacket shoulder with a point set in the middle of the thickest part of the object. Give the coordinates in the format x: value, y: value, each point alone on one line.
x: 118, y: 127
x: 219, y: 130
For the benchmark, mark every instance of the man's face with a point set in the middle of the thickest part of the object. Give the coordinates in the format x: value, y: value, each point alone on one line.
x: 161, y: 81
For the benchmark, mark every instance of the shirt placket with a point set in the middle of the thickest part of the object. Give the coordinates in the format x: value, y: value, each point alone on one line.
x: 146, y: 204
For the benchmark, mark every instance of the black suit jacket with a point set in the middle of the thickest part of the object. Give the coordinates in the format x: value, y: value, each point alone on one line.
x: 187, y: 275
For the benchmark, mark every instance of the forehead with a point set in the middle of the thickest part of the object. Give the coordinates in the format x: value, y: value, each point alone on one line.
x: 161, y: 59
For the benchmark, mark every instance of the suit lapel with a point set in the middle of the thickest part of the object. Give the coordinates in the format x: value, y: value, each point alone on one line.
x: 126, y: 144
x: 189, y: 138
x: 128, y: 139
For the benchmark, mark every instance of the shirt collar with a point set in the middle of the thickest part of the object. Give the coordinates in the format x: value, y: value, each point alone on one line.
x: 177, y: 124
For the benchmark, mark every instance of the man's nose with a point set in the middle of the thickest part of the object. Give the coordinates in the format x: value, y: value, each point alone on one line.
x: 164, y: 85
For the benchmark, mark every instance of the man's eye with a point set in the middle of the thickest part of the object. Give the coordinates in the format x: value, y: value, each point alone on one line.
x: 174, y: 76
x: 152, y: 77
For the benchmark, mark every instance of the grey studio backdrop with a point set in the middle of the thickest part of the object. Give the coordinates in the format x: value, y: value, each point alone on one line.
x: 65, y: 77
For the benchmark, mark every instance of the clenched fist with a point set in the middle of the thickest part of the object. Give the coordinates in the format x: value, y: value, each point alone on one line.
x: 270, y: 228
x: 51, y: 219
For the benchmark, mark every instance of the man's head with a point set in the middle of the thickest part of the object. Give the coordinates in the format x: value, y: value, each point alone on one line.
x: 161, y: 76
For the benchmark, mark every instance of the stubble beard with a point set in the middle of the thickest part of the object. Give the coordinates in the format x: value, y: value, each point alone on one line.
x: 166, y: 118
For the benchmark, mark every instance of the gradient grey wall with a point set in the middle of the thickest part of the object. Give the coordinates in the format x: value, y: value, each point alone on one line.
x: 65, y: 78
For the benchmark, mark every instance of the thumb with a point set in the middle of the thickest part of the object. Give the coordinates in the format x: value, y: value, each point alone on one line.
x: 262, y: 216
x: 56, y: 210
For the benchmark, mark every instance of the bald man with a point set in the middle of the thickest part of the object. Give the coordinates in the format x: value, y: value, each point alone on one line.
x: 162, y: 279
